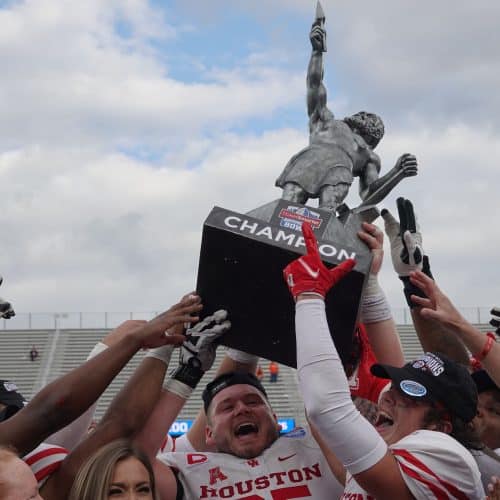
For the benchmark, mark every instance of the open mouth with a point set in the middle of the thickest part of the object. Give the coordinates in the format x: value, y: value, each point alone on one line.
x: 383, y: 420
x: 246, y: 429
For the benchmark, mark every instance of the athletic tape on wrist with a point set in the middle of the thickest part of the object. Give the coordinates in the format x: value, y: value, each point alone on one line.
x: 241, y: 357
x: 372, y: 286
x: 375, y: 308
x: 178, y: 387
x: 98, y: 348
x: 163, y: 353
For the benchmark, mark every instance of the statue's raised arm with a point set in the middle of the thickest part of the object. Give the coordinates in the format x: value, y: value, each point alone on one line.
x: 338, y: 150
x: 316, y: 90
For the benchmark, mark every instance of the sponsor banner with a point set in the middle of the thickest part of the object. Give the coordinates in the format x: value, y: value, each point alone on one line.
x: 180, y: 427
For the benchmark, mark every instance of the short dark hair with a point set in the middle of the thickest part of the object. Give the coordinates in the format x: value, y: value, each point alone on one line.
x: 227, y: 379
x: 461, y: 431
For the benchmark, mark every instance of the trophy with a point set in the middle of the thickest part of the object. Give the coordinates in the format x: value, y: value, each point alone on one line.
x: 243, y: 255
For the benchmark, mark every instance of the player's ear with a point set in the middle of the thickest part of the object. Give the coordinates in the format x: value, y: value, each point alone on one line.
x: 278, y: 426
x: 209, y: 436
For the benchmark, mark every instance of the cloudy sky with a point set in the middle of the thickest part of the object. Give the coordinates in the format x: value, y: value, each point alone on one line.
x: 125, y: 121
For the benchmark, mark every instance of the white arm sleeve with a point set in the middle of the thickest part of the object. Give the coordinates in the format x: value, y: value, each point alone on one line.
x: 325, y: 390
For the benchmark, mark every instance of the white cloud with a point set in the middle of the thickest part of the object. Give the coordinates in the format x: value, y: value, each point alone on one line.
x: 90, y: 223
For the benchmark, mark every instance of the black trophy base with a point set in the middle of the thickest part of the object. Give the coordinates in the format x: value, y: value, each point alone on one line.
x: 241, y: 270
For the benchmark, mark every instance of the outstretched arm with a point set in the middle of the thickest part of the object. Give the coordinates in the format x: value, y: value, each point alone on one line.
x: 132, y: 405
x: 376, y: 312
x: 373, y: 189
x: 72, y: 434
x: 316, y: 90
x: 407, y: 255
x: 352, y: 438
x: 438, y: 307
x: 197, y: 356
x: 65, y: 399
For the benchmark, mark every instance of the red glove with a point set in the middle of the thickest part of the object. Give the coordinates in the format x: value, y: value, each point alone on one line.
x: 309, y: 274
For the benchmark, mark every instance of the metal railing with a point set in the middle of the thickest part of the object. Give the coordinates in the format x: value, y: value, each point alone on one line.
x: 105, y: 320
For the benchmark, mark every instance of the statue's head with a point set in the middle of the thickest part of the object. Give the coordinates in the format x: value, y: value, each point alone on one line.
x: 368, y: 125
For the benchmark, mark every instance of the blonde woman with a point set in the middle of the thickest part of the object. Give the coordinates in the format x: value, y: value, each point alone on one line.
x: 118, y: 470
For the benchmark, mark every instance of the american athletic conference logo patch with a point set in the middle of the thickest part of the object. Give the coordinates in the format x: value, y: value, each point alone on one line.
x: 413, y: 388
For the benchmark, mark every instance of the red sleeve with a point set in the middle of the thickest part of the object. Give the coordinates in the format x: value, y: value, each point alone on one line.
x: 362, y: 383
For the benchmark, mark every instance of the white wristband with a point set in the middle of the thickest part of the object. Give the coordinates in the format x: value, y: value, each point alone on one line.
x: 241, y: 357
x: 372, y: 286
x: 163, y: 353
x: 175, y: 386
x: 375, y: 308
x: 98, y: 348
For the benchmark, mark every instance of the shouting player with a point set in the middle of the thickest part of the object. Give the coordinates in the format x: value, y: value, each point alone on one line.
x: 430, y: 402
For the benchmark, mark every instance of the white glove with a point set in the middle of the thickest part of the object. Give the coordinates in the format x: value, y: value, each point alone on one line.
x: 201, y: 340
x: 405, y: 238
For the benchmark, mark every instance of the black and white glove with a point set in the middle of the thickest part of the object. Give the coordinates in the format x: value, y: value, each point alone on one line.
x: 6, y: 310
x: 197, y: 353
x: 407, y: 253
x: 495, y: 320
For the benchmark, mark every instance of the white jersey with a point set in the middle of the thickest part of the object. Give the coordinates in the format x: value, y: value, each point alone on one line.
x: 180, y: 443
x: 292, y: 467
x: 433, y: 465
x: 44, y: 460
x: 488, y: 466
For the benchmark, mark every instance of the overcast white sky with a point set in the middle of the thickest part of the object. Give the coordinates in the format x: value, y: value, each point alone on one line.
x: 125, y: 121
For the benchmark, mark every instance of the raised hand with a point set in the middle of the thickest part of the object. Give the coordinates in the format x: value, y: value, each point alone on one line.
x: 405, y: 238
x: 494, y: 489
x: 374, y: 239
x: 317, y: 37
x: 198, y: 353
x: 308, y: 274
x: 201, y: 340
x: 407, y: 165
x: 153, y: 333
x: 495, y: 320
x: 436, y: 305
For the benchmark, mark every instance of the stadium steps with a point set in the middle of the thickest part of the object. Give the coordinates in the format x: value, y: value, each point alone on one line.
x: 411, y: 345
x: 15, y: 363
x: 73, y: 346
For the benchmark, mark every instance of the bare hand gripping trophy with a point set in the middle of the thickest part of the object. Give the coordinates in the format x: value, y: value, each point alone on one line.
x: 242, y: 255
x: 338, y: 149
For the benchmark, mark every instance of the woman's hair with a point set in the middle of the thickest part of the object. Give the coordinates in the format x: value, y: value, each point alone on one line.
x: 94, y: 477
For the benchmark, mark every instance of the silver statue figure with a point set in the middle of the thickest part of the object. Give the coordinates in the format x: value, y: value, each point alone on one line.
x: 338, y: 150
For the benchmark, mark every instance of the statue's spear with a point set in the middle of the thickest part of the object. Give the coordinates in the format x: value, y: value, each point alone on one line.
x: 320, y: 20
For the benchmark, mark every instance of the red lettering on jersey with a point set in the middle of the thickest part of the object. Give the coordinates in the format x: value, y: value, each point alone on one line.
x: 196, y: 458
x: 312, y: 471
x: 253, y: 463
x: 215, y: 475
x: 262, y: 483
x: 207, y: 492
x: 278, y: 476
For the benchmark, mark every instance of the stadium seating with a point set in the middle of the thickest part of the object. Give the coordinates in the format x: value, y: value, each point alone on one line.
x: 62, y: 350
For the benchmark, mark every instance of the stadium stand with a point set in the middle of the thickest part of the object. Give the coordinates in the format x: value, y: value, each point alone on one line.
x: 15, y: 363
x: 62, y: 350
